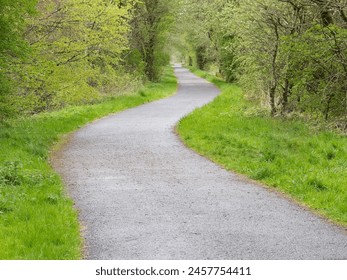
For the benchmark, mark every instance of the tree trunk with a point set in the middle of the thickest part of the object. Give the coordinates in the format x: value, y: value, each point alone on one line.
x: 286, y: 93
x: 150, y: 60
x: 272, y: 100
x: 274, y: 71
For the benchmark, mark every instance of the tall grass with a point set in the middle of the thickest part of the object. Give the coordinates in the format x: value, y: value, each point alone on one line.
x: 37, y: 219
x: 308, y: 164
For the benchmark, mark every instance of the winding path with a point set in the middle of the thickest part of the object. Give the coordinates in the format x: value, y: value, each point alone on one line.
x: 142, y: 194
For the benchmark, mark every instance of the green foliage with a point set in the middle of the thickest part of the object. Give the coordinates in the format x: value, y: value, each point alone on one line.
x: 294, y: 58
x: 306, y: 163
x: 319, y: 79
x: 150, y: 26
x: 228, y: 61
x: 290, y: 56
x: 77, y: 55
x: 12, y: 45
x: 5, y: 87
x: 81, y: 52
x: 203, y: 28
x: 37, y: 219
x: 12, y: 24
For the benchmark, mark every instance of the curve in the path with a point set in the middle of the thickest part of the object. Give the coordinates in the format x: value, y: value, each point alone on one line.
x: 142, y: 195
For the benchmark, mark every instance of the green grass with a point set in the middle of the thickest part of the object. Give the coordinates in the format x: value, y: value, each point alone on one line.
x: 308, y: 164
x: 37, y: 219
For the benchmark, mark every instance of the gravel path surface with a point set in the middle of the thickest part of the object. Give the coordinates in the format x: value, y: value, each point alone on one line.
x: 142, y: 194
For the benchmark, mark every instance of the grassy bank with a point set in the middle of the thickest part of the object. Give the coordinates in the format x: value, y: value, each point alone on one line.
x: 308, y: 164
x: 37, y: 220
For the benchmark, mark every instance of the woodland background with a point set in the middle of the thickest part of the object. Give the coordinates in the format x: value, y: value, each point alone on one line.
x: 288, y: 55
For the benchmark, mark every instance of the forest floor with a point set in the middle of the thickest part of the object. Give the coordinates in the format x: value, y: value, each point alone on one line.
x: 141, y: 194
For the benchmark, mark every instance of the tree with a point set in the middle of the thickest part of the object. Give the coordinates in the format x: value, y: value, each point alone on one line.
x: 150, y: 26
x: 289, y: 54
x: 78, y: 49
x: 204, y: 26
x: 12, y: 45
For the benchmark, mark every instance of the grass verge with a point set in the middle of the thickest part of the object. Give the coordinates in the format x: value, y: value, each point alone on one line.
x: 37, y: 220
x: 308, y: 164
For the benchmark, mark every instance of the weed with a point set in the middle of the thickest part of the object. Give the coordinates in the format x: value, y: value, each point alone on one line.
x: 317, y: 184
x: 52, y: 199
x: 4, y: 207
x: 330, y: 155
x: 9, y: 173
x: 269, y: 156
x: 262, y: 173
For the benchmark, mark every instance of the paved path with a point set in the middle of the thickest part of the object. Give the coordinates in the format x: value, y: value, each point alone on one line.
x: 142, y: 195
